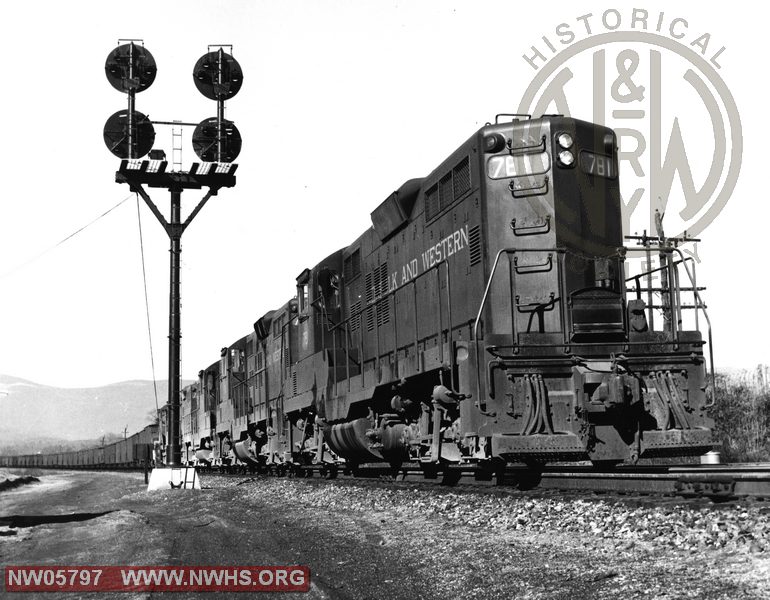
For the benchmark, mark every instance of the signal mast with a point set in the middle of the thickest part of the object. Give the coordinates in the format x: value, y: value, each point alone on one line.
x: 130, y: 135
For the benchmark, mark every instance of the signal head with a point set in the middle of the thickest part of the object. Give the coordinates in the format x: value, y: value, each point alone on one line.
x: 130, y: 67
x: 116, y: 134
x: 217, y: 75
x: 205, y: 139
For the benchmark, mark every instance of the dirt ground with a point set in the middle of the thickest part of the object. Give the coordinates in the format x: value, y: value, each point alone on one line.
x: 354, y: 550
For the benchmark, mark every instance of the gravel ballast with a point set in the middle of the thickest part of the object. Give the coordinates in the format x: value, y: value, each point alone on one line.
x: 399, y: 541
x: 489, y: 543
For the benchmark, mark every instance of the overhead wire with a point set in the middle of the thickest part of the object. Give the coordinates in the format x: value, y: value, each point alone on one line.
x: 147, y: 304
x: 69, y: 237
x: 144, y: 273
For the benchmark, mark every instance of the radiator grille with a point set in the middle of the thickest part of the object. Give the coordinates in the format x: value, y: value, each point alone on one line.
x: 461, y: 176
x: 376, y: 287
x: 451, y: 187
x: 369, y: 283
x: 445, y: 194
x: 431, y: 203
x: 383, y: 308
x: 355, y: 316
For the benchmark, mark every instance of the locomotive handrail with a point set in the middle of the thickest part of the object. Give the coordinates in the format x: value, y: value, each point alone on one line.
x: 535, y: 189
x: 497, y: 116
x: 708, y: 323
x: 674, y: 299
x: 651, y: 271
x: 533, y: 268
x: 509, y: 251
x: 639, y: 287
x: 674, y: 288
x: 699, y: 303
x: 536, y: 229
x: 502, y: 251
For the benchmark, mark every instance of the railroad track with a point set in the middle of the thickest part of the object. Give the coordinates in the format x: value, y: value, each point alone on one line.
x: 718, y: 482
x: 712, y: 481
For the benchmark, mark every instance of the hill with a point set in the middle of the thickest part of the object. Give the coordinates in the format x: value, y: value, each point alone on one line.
x: 35, y: 417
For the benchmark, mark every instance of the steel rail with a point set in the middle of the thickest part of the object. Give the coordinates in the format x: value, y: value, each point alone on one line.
x: 717, y: 482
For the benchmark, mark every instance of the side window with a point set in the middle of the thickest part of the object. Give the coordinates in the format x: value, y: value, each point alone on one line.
x: 334, y: 282
x: 302, y: 295
x: 303, y: 281
x: 329, y: 288
x: 352, y: 266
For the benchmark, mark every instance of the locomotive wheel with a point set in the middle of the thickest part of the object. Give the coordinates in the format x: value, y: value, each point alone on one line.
x: 429, y: 471
x: 451, y: 477
x: 527, y: 480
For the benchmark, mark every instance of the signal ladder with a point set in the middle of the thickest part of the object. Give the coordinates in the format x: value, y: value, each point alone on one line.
x: 176, y: 142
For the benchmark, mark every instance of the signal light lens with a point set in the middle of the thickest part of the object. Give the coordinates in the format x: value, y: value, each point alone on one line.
x: 564, y: 140
x: 566, y: 158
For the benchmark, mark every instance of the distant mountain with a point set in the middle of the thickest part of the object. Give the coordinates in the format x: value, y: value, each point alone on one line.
x: 36, y: 417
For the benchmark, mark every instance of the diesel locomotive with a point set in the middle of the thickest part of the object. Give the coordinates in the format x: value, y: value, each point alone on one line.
x: 485, y: 318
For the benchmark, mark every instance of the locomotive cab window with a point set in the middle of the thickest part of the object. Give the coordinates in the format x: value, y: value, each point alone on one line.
x: 303, y: 281
x: 302, y: 295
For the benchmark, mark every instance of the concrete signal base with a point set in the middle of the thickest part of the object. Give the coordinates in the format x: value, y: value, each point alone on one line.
x: 176, y: 478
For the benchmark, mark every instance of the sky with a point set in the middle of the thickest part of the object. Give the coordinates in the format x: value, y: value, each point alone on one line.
x: 341, y: 103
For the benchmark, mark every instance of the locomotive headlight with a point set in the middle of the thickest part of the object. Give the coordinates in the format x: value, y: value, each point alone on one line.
x: 494, y: 143
x: 564, y: 140
x: 566, y: 158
